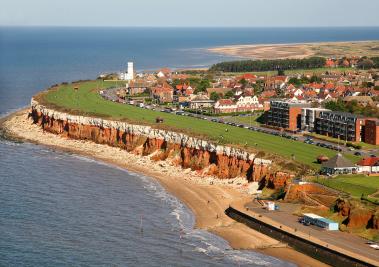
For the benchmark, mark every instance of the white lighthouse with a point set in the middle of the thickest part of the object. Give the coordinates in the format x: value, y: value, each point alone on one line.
x: 130, y: 73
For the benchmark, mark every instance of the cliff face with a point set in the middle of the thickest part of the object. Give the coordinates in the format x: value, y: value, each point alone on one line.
x: 185, y: 151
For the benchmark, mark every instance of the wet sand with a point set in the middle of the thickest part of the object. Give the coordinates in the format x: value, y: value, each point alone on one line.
x: 207, y: 197
x: 301, y: 50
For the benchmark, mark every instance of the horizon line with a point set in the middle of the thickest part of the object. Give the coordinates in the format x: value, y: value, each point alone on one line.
x: 183, y: 27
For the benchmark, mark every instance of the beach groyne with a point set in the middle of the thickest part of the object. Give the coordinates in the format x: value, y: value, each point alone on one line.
x: 314, y: 250
x: 188, y: 152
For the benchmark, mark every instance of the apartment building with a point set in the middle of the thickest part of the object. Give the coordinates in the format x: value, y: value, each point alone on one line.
x: 343, y: 125
x: 308, y: 118
x: 285, y: 114
x: 372, y: 131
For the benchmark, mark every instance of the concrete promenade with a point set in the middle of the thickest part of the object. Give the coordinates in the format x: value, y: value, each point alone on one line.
x: 326, y: 242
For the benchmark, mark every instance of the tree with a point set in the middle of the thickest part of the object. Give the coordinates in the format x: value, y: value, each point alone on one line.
x: 229, y: 94
x: 202, y: 86
x: 281, y: 72
x: 214, y: 96
x: 243, y: 82
x: 269, y: 65
x: 315, y: 79
x: 365, y: 63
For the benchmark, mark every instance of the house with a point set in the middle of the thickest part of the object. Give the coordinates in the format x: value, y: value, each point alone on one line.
x: 251, y: 78
x: 268, y: 94
x: 338, y: 165
x: 201, y: 101
x: 225, y: 106
x: 184, y: 89
x: 136, y: 87
x: 164, y: 73
x: 163, y: 93
x: 219, y: 91
x: 248, y: 103
x: 276, y: 82
x: 369, y: 165
x: 330, y: 63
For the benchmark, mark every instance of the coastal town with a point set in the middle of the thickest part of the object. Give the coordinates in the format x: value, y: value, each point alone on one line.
x: 301, y: 144
x: 189, y: 133
x: 335, y: 107
x: 336, y: 103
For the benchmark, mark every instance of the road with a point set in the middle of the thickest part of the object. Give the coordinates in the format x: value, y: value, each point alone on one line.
x: 110, y: 94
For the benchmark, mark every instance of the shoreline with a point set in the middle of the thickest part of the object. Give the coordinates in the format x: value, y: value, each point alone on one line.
x: 206, y: 197
x: 297, y: 50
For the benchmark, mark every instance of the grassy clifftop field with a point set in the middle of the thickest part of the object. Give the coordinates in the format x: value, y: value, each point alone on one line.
x: 86, y: 100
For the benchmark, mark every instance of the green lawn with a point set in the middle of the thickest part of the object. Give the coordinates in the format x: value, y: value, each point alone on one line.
x: 355, y: 185
x: 87, y: 101
x: 250, y: 120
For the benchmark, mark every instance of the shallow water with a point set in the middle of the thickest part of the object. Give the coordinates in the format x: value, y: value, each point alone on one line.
x: 59, y: 209
x: 62, y: 209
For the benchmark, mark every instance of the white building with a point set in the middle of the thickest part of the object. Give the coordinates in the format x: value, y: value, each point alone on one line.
x: 308, y: 118
x: 129, y: 75
x: 248, y: 103
x: 320, y: 221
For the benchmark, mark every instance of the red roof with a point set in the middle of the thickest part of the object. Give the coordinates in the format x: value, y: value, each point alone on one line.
x: 226, y: 102
x: 329, y: 86
x: 165, y: 70
x: 247, y: 76
x: 330, y: 63
x: 280, y: 78
x: 371, y: 161
x: 267, y: 94
x: 340, y: 88
x: 315, y: 85
x: 310, y: 93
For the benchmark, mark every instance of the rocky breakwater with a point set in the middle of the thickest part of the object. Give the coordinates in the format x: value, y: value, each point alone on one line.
x: 188, y: 152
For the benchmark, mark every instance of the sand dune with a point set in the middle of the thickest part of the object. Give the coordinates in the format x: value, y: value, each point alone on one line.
x: 282, y: 51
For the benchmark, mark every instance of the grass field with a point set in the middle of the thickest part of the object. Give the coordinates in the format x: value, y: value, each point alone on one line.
x: 87, y: 101
x: 247, y: 120
x: 355, y: 185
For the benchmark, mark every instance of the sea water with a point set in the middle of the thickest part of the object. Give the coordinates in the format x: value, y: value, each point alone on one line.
x: 60, y: 209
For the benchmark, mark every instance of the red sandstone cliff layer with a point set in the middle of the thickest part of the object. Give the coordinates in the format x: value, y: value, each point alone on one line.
x: 209, y: 162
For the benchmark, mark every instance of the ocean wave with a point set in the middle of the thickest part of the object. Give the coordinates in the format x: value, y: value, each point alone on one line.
x: 10, y: 111
x: 182, y: 222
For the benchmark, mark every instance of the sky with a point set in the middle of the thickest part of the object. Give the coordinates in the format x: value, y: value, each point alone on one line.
x: 190, y: 13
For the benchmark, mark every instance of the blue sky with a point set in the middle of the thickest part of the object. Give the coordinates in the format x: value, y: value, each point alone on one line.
x: 195, y: 13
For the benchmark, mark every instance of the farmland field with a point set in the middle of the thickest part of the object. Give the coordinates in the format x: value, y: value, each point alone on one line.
x: 86, y: 100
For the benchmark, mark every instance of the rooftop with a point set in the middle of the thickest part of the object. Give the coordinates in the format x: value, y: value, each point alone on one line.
x: 338, y: 161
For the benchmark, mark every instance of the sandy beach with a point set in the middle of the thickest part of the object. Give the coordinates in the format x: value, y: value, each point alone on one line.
x: 300, y: 50
x: 207, y: 197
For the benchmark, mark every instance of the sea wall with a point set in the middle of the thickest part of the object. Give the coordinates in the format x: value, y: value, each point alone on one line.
x: 319, y: 252
x: 185, y: 151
